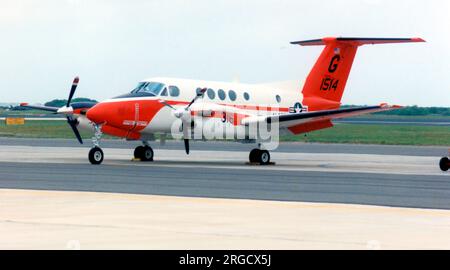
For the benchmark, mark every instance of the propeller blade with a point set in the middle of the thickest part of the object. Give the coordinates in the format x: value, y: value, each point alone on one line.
x: 200, y: 93
x: 186, y: 145
x: 167, y: 104
x: 73, y: 124
x: 40, y: 107
x: 186, y: 138
x: 72, y: 90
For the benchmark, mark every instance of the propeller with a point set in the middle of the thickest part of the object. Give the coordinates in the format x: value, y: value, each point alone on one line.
x: 72, y: 90
x: 73, y: 124
x: 199, y: 94
x: 186, y: 146
x: 184, y: 114
x: 68, y: 110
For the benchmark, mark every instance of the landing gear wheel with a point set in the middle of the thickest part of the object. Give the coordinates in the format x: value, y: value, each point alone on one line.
x: 96, y: 155
x: 264, y: 157
x: 259, y: 156
x: 144, y: 153
x: 147, y: 154
x: 138, y: 152
x: 444, y: 164
x: 253, y: 157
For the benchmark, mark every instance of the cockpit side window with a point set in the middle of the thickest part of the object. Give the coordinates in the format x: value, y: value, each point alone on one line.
x: 164, y: 92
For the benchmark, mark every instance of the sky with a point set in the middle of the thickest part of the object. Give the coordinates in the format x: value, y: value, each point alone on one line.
x: 113, y: 44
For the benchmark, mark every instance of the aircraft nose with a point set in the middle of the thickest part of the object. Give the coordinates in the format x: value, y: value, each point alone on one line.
x: 96, y: 114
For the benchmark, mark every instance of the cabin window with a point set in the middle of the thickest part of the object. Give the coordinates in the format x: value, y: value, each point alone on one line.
x: 221, y: 94
x: 246, y: 96
x: 278, y: 98
x: 174, y: 91
x: 211, y: 94
x: 198, y: 91
x: 232, y: 95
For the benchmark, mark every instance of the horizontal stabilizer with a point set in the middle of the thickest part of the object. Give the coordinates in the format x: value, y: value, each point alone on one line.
x: 355, y: 41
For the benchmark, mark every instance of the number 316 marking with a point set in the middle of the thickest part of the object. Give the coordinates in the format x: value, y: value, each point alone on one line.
x: 328, y: 84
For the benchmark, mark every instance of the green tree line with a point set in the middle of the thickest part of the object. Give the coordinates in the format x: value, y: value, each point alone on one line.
x: 62, y: 102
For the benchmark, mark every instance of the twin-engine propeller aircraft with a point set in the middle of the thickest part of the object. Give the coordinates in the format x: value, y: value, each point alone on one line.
x: 217, y: 110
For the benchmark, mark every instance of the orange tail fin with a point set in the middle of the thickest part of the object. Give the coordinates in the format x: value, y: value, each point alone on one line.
x: 325, y: 84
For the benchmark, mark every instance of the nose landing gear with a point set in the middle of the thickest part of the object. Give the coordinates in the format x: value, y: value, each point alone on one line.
x: 96, y: 153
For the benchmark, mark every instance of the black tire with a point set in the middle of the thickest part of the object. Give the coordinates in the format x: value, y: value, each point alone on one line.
x: 253, y: 157
x: 444, y: 164
x: 264, y: 157
x: 96, y: 155
x: 138, y: 152
x: 147, y: 153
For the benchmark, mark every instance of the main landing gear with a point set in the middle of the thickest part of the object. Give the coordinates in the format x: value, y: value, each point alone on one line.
x: 259, y: 156
x: 144, y: 153
x: 444, y: 164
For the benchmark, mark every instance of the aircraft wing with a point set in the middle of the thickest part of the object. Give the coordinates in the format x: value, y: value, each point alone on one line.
x: 39, y: 107
x: 298, y: 123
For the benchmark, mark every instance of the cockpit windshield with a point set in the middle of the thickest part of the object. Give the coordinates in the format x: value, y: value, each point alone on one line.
x: 153, y: 88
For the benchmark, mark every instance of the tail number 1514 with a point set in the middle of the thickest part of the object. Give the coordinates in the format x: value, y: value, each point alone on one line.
x: 329, y: 84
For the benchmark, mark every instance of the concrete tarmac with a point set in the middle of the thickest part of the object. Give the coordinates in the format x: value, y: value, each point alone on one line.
x: 286, y: 147
x: 32, y: 219
x: 315, y: 197
x: 389, y: 180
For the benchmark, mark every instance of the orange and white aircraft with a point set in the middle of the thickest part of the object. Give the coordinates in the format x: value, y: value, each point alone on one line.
x: 219, y: 110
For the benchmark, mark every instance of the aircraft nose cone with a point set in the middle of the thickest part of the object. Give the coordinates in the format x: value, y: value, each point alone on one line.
x: 96, y: 114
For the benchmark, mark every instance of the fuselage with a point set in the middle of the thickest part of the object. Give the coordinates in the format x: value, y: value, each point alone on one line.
x: 140, y: 114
